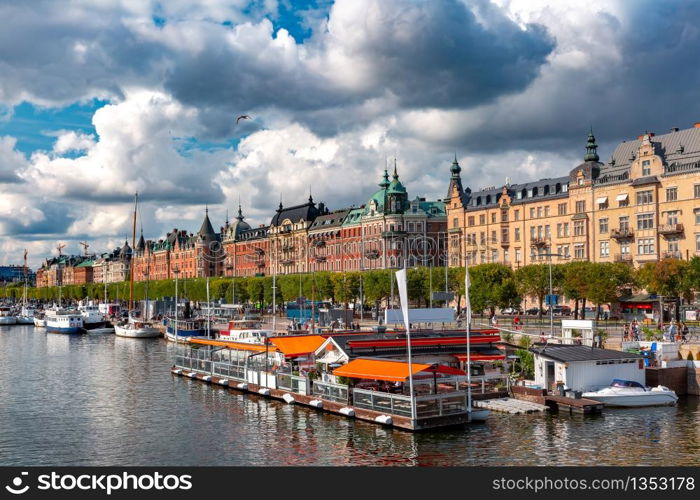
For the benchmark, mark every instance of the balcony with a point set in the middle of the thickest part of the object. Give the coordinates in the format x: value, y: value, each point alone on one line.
x: 372, y: 254
x: 505, y: 243
x: 287, y: 248
x: 393, y: 234
x: 672, y: 255
x: 622, y: 233
x: 623, y: 257
x: 539, y: 242
x: 669, y: 229
x: 287, y: 262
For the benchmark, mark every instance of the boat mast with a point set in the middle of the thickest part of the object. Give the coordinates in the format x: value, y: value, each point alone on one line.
x: 131, y: 267
x: 24, y: 298
x: 469, y: 321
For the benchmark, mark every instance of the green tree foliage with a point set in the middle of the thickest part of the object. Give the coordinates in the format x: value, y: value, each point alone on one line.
x: 533, y: 280
x: 493, y: 286
x: 575, y: 281
x: 668, y: 277
x: 608, y: 281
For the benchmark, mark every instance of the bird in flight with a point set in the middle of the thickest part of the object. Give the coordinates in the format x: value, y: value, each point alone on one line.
x: 242, y: 117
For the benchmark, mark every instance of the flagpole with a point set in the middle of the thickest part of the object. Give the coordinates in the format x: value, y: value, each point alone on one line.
x: 469, y: 321
x: 401, y: 280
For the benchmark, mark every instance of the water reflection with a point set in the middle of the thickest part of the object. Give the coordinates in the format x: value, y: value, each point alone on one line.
x: 106, y: 400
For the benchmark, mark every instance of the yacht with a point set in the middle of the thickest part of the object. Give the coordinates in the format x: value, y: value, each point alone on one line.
x: 6, y: 316
x: 39, y: 320
x: 92, y: 317
x: 627, y: 393
x: 136, y: 329
x: 26, y: 316
x: 244, y: 330
x: 64, y: 321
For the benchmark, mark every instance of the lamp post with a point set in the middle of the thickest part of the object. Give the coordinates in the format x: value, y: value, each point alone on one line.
x: 549, y: 255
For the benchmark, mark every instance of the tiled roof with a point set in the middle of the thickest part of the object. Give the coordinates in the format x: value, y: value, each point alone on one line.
x: 333, y: 219
x: 567, y: 353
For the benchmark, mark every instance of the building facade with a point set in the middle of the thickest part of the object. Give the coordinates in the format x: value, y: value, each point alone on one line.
x: 641, y: 206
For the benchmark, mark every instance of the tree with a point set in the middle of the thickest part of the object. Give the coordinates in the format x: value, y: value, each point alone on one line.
x: 608, y: 281
x: 533, y: 280
x: 346, y: 287
x: 667, y: 277
x: 575, y: 283
x: 377, y: 284
x: 492, y: 286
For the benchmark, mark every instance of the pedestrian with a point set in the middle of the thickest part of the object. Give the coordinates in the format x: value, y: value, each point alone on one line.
x: 625, y: 333
x: 684, y: 332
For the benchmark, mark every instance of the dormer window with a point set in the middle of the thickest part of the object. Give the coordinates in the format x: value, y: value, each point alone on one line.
x: 529, y: 193
x: 519, y: 195
x: 646, y: 168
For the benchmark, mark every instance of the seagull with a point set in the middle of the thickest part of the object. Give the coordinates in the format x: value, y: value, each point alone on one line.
x: 242, y: 117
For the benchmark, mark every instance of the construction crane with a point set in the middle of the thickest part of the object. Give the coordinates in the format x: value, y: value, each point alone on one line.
x: 60, y: 248
x: 85, y: 247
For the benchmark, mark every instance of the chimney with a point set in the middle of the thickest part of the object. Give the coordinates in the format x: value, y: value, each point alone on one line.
x: 675, y: 129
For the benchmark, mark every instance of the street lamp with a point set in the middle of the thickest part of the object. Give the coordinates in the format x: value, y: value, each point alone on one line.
x: 176, y: 272
x: 551, y: 309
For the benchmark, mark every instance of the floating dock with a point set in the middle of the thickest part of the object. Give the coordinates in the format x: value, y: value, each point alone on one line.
x: 511, y: 405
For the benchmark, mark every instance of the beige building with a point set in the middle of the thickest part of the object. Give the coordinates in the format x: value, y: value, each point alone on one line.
x: 642, y: 205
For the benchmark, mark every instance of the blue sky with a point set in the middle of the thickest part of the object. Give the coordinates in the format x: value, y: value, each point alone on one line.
x: 99, y: 100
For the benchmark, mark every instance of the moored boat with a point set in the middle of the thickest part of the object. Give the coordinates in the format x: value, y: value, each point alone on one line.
x: 6, y: 316
x: 39, y: 320
x: 630, y: 394
x: 64, y: 321
x: 244, y: 330
x: 136, y: 329
x: 182, y: 330
x: 92, y: 317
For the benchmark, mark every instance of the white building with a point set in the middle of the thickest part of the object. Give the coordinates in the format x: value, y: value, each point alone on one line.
x: 584, y: 368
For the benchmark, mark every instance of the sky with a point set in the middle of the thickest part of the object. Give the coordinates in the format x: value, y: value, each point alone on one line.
x: 100, y: 99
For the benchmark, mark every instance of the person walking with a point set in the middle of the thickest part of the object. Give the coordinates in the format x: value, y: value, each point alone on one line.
x: 684, y: 332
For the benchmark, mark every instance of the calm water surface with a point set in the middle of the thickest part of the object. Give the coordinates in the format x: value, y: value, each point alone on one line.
x: 105, y: 400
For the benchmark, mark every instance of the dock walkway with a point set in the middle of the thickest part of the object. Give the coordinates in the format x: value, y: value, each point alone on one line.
x: 510, y: 405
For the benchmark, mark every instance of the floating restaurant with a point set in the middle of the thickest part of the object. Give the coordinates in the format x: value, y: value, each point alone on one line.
x: 361, y: 375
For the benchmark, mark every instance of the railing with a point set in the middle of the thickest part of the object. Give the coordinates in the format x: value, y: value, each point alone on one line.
x: 294, y: 383
x: 331, y: 392
x: 623, y: 257
x: 671, y: 228
x: 539, y: 241
x: 672, y: 255
x: 621, y: 233
x: 427, y: 405
x: 608, y: 179
x: 396, y: 404
x: 675, y: 168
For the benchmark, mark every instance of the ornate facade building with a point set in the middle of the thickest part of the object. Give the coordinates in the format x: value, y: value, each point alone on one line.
x: 642, y: 205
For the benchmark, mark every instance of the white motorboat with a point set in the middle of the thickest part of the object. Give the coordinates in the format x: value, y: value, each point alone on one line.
x: 136, y: 329
x: 26, y: 316
x: 93, y: 318
x: 6, y: 316
x: 39, y: 321
x: 626, y: 393
x: 105, y: 330
x: 479, y: 414
x: 247, y: 331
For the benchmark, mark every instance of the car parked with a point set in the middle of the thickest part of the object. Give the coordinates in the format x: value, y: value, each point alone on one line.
x: 533, y: 311
x: 512, y: 310
x: 560, y: 311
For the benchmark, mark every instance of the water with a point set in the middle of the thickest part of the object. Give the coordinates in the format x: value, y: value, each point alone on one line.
x: 105, y: 400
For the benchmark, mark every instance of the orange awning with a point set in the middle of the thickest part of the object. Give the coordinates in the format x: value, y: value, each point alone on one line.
x: 378, y: 369
x: 241, y: 346
x: 297, y: 345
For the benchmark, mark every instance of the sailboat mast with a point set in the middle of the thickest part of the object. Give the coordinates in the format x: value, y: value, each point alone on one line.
x: 131, y: 267
x: 24, y: 299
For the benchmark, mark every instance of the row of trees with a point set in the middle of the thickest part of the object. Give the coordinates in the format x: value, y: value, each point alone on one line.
x: 494, y: 286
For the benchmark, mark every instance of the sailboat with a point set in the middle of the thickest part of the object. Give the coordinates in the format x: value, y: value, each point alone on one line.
x: 26, y: 315
x: 134, y: 328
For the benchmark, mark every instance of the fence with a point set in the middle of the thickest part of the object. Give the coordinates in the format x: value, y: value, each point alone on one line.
x: 331, y: 392
x: 294, y: 383
x: 428, y: 405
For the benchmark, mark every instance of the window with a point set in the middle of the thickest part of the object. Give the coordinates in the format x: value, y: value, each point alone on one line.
x: 580, y: 206
x: 625, y: 248
x: 646, y: 167
x: 471, y: 220
x: 482, y: 219
x: 645, y: 246
x: 539, y: 231
x: 697, y: 242
x: 566, y: 229
x: 517, y: 233
x: 547, y: 233
x: 493, y: 217
x: 623, y: 201
x: 494, y: 255
x: 697, y: 216
x: 546, y: 211
x: 504, y: 235
x: 672, y: 217
x: 673, y: 245
x: 644, y: 197
x: 565, y: 251
x: 579, y: 228
x: 624, y: 224
x: 561, y: 209
x: 493, y: 237
x: 603, y: 223
x: 532, y: 213
x: 696, y: 190
x: 559, y: 230
x: 539, y: 211
x: 532, y: 232
x: 579, y: 251
x: 645, y: 221
x: 504, y: 215
x: 482, y: 238
x: 671, y: 194
x: 604, y: 248
x: 518, y: 255
x: 518, y: 195
x: 517, y: 214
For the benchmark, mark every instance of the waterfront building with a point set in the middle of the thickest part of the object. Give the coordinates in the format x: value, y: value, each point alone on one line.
x: 639, y: 206
x: 246, y: 248
x: 326, y: 241
x: 16, y: 274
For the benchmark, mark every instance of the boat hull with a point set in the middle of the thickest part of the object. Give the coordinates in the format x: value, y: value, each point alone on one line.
x: 649, y: 398
x: 101, y: 330
x: 64, y: 329
x: 95, y: 326
x: 8, y: 320
x: 136, y: 333
x: 479, y: 415
x: 40, y: 322
x: 25, y: 320
x: 181, y: 337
